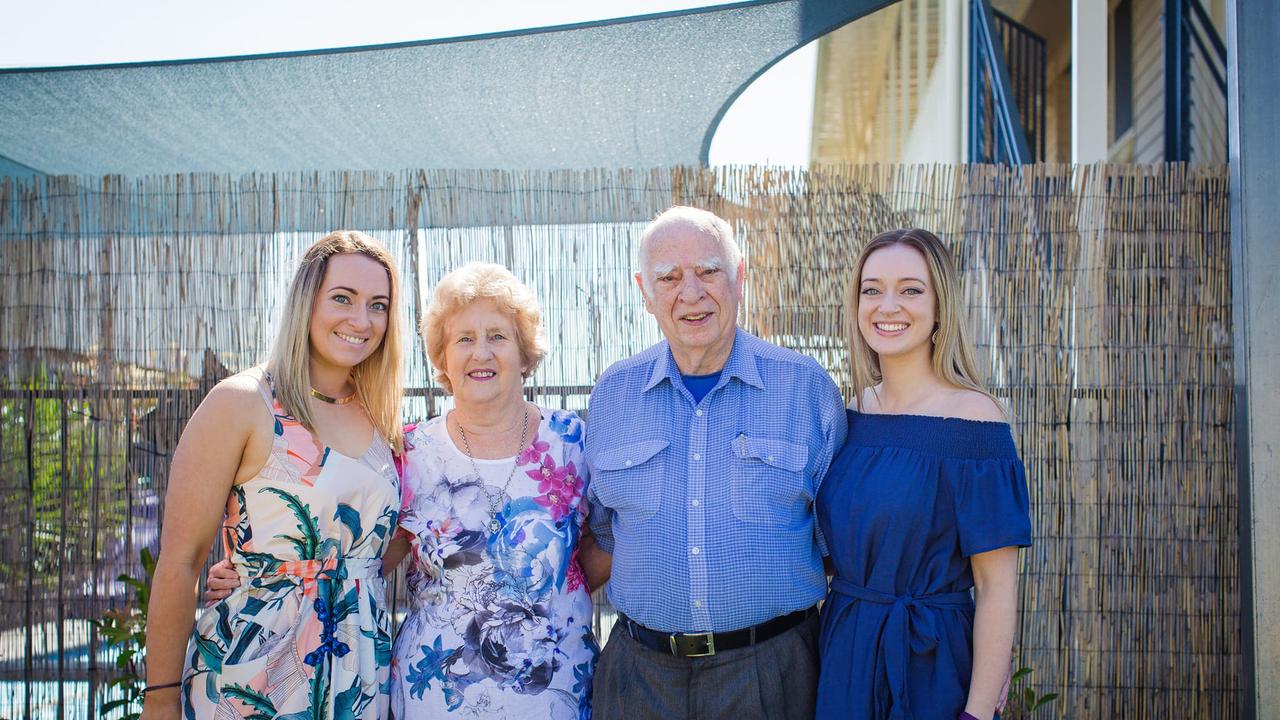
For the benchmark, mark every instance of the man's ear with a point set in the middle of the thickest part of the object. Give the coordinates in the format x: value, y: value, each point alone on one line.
x: 644, y: 295
x: 742, y: 275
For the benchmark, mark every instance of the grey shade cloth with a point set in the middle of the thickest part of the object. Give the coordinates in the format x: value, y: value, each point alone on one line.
x: 635, y: 92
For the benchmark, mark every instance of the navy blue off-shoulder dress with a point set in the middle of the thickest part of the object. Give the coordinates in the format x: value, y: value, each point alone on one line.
x: 905, y: 504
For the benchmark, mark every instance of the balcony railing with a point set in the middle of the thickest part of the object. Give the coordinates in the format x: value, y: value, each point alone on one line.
x: 1195, y: 85
x: 1006, y: 89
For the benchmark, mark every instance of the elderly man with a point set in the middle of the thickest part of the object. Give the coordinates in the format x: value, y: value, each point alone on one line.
x: 705, y: 452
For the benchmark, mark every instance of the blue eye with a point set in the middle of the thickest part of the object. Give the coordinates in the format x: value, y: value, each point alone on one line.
x: 342, y: 299
x: 870, y: 291
x: 379, y: 306
x: 913, y: 291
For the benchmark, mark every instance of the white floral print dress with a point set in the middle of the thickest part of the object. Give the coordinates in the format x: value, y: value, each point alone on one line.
x: 500, y: 621
x: 306, y: 635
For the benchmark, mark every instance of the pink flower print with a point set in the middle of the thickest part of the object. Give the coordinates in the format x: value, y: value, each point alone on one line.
x: 574, y: 577
x: 534, y: 451
x: 560, y: 487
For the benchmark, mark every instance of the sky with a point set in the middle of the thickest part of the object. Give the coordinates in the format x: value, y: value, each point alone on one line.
x: 770, y: 122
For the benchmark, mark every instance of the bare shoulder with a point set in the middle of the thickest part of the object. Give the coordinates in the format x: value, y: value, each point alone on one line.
x: 870, y: 401
x: 973, y: 405
x: 235, y: 400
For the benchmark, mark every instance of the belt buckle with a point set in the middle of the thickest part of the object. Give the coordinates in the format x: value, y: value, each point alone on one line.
x: 708, y: 639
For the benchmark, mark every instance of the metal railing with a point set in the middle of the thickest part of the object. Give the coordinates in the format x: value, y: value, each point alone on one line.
x: 1195, y: 85
x: 1006, y: 89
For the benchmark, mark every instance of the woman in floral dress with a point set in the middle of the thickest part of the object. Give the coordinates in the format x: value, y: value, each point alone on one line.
x: 500, y: 623
x: 298, y: 457
x: 493, y: 521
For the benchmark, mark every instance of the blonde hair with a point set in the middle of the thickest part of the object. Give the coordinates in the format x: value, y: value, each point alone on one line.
x: 953, y: 356
x: 378, y: 378
x: 484, y: 281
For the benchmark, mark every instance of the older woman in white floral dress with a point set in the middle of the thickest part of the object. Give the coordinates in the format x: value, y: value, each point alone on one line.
x: 500, y: 623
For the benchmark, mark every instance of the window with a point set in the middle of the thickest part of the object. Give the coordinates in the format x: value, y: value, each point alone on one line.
x: 1122, y: 68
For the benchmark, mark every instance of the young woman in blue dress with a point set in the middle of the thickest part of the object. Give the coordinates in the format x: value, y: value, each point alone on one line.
x: 923, y: 509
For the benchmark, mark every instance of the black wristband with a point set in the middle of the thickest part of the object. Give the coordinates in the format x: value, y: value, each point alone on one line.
x: 166, y: 686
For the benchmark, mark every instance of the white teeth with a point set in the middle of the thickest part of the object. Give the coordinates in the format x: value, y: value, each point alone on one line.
x: 482, y: 374
x: 892, y: 327
x: 351, y: 339
x: 696, y: 318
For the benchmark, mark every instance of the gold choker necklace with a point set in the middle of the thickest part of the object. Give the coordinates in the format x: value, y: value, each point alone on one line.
x: 332, y: 400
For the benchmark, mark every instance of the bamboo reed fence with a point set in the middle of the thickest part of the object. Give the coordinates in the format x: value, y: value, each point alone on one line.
x: 1100, y: 297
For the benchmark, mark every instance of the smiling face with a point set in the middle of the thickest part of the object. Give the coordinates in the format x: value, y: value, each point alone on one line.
x: 897, y: 305
x: 482, y: 355
x: 349, y: 314
x: 693, y: 297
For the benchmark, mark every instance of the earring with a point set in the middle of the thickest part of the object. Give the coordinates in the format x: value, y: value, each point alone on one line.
x: 934, y: 337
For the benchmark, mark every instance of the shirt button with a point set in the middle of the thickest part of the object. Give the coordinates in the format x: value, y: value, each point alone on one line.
x: 697, y: 603
x: 627, y: 463
x: 697, y: 502
x: 695, y: 551
x: 773, y: 458
x: 696, y: 456
x: 698, y: 412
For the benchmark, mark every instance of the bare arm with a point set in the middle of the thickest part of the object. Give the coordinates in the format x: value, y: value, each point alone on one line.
x: 596, y: 563
x: 396, y: 551
x: 204, y: 468
x: 995, y: 576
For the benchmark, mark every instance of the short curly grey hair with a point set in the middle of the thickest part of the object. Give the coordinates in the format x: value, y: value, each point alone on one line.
x: 484, y: 281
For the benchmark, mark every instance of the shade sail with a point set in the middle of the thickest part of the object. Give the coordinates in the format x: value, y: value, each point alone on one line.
x: 633, y: 92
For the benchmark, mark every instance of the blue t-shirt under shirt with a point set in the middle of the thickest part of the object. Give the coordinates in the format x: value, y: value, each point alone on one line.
x: 700, y: 385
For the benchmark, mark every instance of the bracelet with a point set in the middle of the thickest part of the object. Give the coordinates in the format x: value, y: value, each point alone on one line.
x: 166, y: 686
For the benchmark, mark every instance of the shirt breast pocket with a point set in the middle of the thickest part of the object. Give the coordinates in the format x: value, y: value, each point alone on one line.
x: 628, y: 478
x: 769, y: 484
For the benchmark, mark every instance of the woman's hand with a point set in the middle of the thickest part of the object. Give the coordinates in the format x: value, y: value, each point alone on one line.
x: 397, y: 549
x: 221, y: 582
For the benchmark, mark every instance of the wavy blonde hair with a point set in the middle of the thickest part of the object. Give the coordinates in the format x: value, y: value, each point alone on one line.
x: 484, y: 281
x: 953, y: 356
x: 378, y: 379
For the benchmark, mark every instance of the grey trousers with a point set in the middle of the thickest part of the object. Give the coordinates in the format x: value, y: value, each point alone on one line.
x: 773, y: 680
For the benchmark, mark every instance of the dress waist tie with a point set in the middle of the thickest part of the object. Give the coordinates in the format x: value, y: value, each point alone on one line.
x: 307, y: 572
x: 908, y: 629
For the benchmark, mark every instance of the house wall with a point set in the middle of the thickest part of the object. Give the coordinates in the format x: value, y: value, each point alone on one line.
x: 882, y: 97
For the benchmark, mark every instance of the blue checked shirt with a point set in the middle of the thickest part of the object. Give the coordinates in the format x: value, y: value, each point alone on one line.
x: 708, y: 507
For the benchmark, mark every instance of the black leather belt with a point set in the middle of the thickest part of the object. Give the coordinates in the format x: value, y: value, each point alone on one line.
x: 703, y: 644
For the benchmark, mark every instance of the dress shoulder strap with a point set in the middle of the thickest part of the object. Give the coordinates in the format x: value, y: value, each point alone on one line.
x: 265, y: 388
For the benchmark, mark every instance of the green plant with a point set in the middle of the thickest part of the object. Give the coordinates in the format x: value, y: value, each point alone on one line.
x: 1023, y: 701
x: 126, y: 629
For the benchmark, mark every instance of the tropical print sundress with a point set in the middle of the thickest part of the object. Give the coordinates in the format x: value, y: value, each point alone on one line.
x: 500, y: 618
x: 306, y: 635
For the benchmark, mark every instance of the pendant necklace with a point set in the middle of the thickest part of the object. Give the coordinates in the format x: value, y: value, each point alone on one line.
x: 515, y: 463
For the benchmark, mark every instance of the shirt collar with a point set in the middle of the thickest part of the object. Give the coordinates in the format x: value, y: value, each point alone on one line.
x: 741, y: 364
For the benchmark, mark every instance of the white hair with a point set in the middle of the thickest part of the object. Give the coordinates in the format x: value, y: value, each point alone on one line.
x: 698, y: 220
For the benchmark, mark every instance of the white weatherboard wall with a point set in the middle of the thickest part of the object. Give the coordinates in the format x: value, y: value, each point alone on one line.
x: 937, y: 135
x: 1088, y: 81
